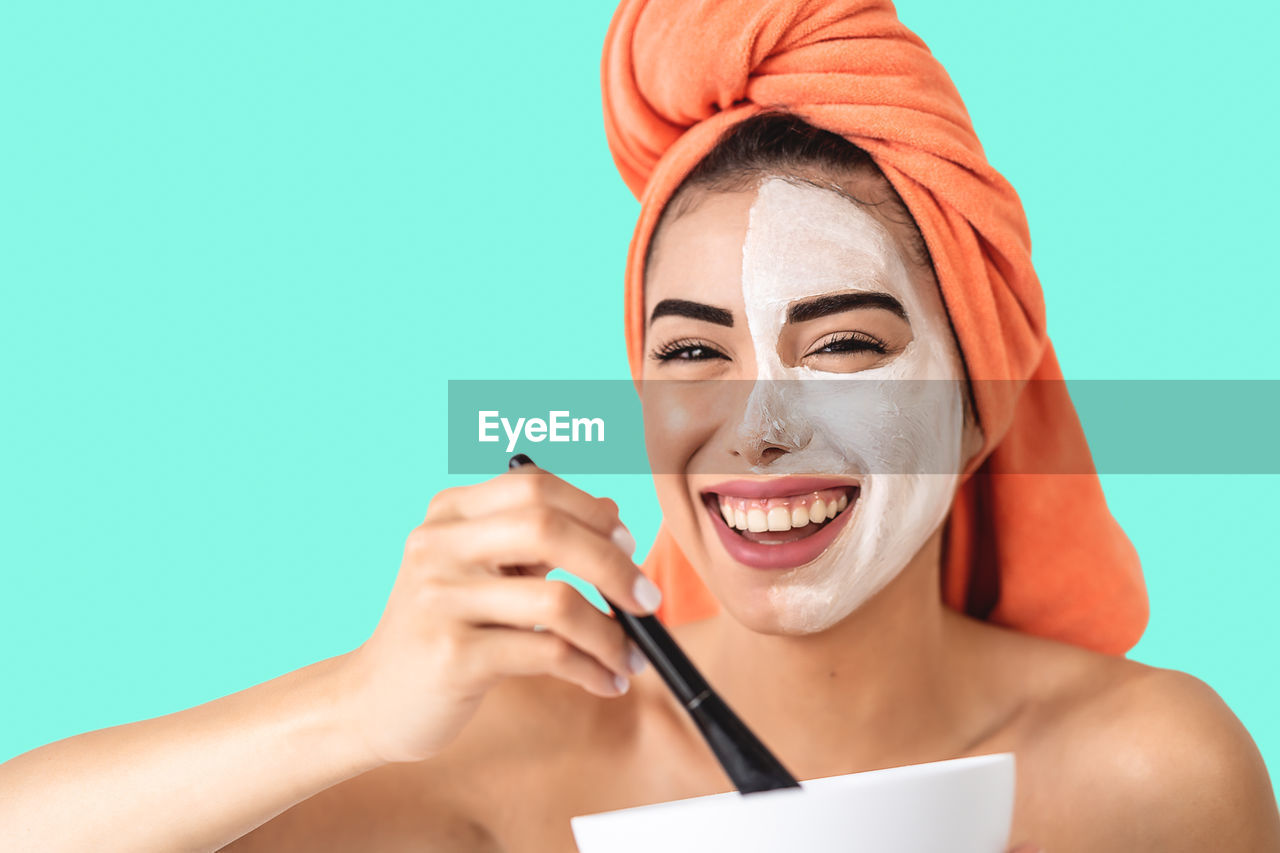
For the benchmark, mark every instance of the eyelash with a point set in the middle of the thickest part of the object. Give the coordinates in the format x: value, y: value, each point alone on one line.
x: 865, y: 343
x: 672, y: 351
x: 845, y: 342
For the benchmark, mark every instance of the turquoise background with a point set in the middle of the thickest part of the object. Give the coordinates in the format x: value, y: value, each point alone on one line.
x: 244, y: 245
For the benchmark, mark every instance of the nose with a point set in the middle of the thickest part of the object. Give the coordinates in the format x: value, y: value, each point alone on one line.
x: 771, y: 425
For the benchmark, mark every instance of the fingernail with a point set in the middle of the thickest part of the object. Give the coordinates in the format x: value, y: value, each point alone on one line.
x: 621, y: 683
x: 623, y: 539
x: 636, y: 661
x: 647, y: 594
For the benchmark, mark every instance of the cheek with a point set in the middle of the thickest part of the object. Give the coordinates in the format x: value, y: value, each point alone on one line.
x: 675, y: 426
x: 854, y: 422
x: 884, y: 427
x: 681, y: 417
x: 672, y: 430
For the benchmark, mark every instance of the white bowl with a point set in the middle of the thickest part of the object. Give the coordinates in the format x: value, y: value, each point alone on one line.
x: 964, y: 805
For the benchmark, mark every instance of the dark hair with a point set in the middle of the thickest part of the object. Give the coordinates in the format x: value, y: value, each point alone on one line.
x: 782, y: 144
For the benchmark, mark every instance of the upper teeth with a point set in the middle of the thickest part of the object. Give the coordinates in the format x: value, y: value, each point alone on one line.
x: 758, y: 515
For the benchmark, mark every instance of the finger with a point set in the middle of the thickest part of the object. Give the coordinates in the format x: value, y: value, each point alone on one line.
x: 510, y: 651
x: 543, y: 535
x: 528, y: 602
x: 524, y: 487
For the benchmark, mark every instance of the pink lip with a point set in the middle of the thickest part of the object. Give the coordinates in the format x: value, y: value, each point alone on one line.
x: 777, y: 487
x: 787, y: 555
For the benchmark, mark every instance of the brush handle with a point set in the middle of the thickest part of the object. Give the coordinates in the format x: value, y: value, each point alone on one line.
x: 746, y: 760
x: 748, y: 763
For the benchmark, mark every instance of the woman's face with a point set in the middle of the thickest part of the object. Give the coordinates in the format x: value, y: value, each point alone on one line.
x: 812, y: 441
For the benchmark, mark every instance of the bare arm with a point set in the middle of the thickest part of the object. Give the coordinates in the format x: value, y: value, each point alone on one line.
x: 461, y: 618
x: 193, y: 780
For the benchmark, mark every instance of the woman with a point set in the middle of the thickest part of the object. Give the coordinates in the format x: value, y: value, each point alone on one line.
x: 770, y: 249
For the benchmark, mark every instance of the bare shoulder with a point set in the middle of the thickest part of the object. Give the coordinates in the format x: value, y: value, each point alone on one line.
x: 1153, y: 759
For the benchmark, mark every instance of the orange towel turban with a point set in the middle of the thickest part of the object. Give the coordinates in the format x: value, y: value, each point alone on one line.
x: 1037, y: 552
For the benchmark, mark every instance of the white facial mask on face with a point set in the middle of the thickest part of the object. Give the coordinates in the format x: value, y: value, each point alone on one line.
x: 899, y: 439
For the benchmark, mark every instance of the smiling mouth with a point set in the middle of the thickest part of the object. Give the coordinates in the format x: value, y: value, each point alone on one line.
x: 783, y: 519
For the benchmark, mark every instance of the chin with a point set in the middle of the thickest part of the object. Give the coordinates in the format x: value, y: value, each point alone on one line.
x: 811, y: 609
x: 791, y: 609
x: 763, y: 618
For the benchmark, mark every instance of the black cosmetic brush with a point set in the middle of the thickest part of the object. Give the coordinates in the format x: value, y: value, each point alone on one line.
x: 750, y: 765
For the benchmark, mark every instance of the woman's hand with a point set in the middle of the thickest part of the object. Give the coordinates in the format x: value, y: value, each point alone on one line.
x: 459, y: 619
x: 471, y: 589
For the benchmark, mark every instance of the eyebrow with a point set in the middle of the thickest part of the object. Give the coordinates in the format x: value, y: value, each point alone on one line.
x: 695, y: 310
x: 812, y: 309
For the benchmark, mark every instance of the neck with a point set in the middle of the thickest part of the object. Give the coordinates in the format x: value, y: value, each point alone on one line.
x: 888, y: 685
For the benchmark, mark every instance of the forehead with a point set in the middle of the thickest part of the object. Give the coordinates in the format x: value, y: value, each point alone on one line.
x: 823, y: 236
x: 699, y: 252
x: 804, y: 240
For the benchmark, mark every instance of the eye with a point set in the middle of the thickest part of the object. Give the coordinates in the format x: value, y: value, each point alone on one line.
x: 687, y: 349
x: 848, y: 342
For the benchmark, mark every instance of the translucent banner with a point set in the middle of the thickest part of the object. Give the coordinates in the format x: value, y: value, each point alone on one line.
x: 860, y: 425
